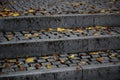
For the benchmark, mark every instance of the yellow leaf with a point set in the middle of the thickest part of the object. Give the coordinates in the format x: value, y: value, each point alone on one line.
x: 49, y: 66
x: 27, y: 35
x: 50, y: 29
x: 29, y: 60
x: 16, y: 14
x: 93, y: 53
x: 31, y: 11
x: 11, y: 61
x: 62, y: 61
x: 60, y: 29
x: 43, y: 12
x: 102, y: 11
x: 7, y: 10
x: 71, y: 56
x: 45, y: 57
x: 36, y: 34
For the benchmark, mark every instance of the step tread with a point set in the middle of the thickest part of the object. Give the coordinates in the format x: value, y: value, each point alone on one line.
x: 58, y: 7
x: 58, y: 34
x: 11, y: 66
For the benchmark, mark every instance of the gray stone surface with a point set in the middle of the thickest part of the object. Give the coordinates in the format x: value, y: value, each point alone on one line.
x: 54, y: 7
x: 37, y: 23
x: 60, y: 46
x: 69, y: 73
x: 101, y: 72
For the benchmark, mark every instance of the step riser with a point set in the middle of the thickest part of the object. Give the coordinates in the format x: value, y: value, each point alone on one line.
x: 66, y: 75
x: 105, y: 73
x: 62, y: 47
x: 37, y: 23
